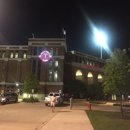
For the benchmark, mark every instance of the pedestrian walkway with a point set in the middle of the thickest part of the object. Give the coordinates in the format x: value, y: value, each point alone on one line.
x: 67, y: 119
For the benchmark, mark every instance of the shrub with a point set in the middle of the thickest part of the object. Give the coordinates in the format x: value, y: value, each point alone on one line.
x: 97, y: 102
x: 31, y: 99
x: 124, y: 105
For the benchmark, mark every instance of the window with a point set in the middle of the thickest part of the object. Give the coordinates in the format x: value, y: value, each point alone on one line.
x: 39, y: 63
x: 76, y: 58
x: 79, y: 75
x: 16, y: 54
x: 56, y: 63
x: 38, y: 74
x: 34, y: 63
x: 82, y: 60
x: 3, y: 54
x: 113, y: 97
x: 55, y: 76
x: 11, y: 55
x: 90, y: 63
x: 50, y: 64
x: 34, y: 66
x: 35, y: 51
x: 24, y: 55
x: 123, y: 97
x: 40, y: 50
x: 93, y: 63
x: 51, y: 50
x: 97, y: 64
x: 50, y: 75
x: 39, y: 70
x: 57, y: 51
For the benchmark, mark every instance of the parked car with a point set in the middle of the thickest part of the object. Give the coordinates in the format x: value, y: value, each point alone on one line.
x: 8, y: 97
x: 60, y: 98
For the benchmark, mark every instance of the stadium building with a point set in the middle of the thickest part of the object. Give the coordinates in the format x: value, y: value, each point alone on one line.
x: 52, y: 64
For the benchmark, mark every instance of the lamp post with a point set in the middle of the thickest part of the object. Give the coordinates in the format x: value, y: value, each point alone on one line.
x: 101, y: 51
x: 18, y: 89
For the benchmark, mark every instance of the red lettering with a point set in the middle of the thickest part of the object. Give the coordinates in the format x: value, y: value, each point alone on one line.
x: 91, y: 67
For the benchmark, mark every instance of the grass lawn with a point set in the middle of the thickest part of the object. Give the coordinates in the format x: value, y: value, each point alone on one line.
x: 102, y: 120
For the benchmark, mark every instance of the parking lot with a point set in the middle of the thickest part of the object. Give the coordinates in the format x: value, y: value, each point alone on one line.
x: 25, y: 116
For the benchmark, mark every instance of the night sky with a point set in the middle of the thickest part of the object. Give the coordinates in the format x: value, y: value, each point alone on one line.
x: 19, y: 19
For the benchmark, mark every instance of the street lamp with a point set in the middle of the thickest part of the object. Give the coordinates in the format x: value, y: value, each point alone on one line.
x: 17, y: 85
x: 100, y: 38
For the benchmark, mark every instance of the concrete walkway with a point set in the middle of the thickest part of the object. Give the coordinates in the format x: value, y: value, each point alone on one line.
x: 67, y: 119
x: 76, y: 119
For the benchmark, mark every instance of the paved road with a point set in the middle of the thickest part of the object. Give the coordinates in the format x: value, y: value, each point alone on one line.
x: 25, y: 116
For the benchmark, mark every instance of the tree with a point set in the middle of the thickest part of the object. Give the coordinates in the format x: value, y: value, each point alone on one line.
x: 99, y: 90
x: 30, y: 83
x: 95, y: 90
x: 77, y: 87
x: 116, y: 75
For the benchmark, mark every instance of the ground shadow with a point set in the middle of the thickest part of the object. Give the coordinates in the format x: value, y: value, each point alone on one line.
x: 62, y: 111
x: 119, y: 117
x: 63, y: 105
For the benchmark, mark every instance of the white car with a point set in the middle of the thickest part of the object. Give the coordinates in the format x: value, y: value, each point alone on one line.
x: 60, y: 98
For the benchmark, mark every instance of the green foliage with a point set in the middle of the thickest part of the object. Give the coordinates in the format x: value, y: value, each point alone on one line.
x: 30, y: 83
x: 91, y: 89
x: 116, y: 75
x: 95, y: 89
x: 77, y: 87
x: 102, y: 120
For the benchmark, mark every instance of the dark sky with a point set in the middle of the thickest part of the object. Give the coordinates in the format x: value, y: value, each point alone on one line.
x: 46, y: 18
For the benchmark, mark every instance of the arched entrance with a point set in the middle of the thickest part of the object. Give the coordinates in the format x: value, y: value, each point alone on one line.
x: 79, y: 75
x: 99, y: 78
x: 90, y: 78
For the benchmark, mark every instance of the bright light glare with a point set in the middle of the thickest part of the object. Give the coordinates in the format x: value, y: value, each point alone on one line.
x: 100, y: 38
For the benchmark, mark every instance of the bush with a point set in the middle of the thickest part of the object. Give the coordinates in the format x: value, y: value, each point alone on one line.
x: 97, y: 102
x: 124, y: 105
x: 31, y: 99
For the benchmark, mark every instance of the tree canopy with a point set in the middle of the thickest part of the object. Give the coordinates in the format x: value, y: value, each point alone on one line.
x: 30, y: 83
x: 95, y: 90
x: 77, y: 87
x: 116, y: 76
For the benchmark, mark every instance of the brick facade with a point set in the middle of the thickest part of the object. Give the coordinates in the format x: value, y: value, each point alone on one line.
x: 16, y: 62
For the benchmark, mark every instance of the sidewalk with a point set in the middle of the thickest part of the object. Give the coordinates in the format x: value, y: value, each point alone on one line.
x: 67, y: 119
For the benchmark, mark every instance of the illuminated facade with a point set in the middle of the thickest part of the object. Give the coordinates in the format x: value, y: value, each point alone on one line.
x: 81, y: 66
x: 18, y: 61
x: 52, y: 64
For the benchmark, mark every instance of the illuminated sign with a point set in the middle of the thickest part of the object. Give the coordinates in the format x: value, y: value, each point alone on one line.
x: 92, y: 67
x: 45, y: 56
